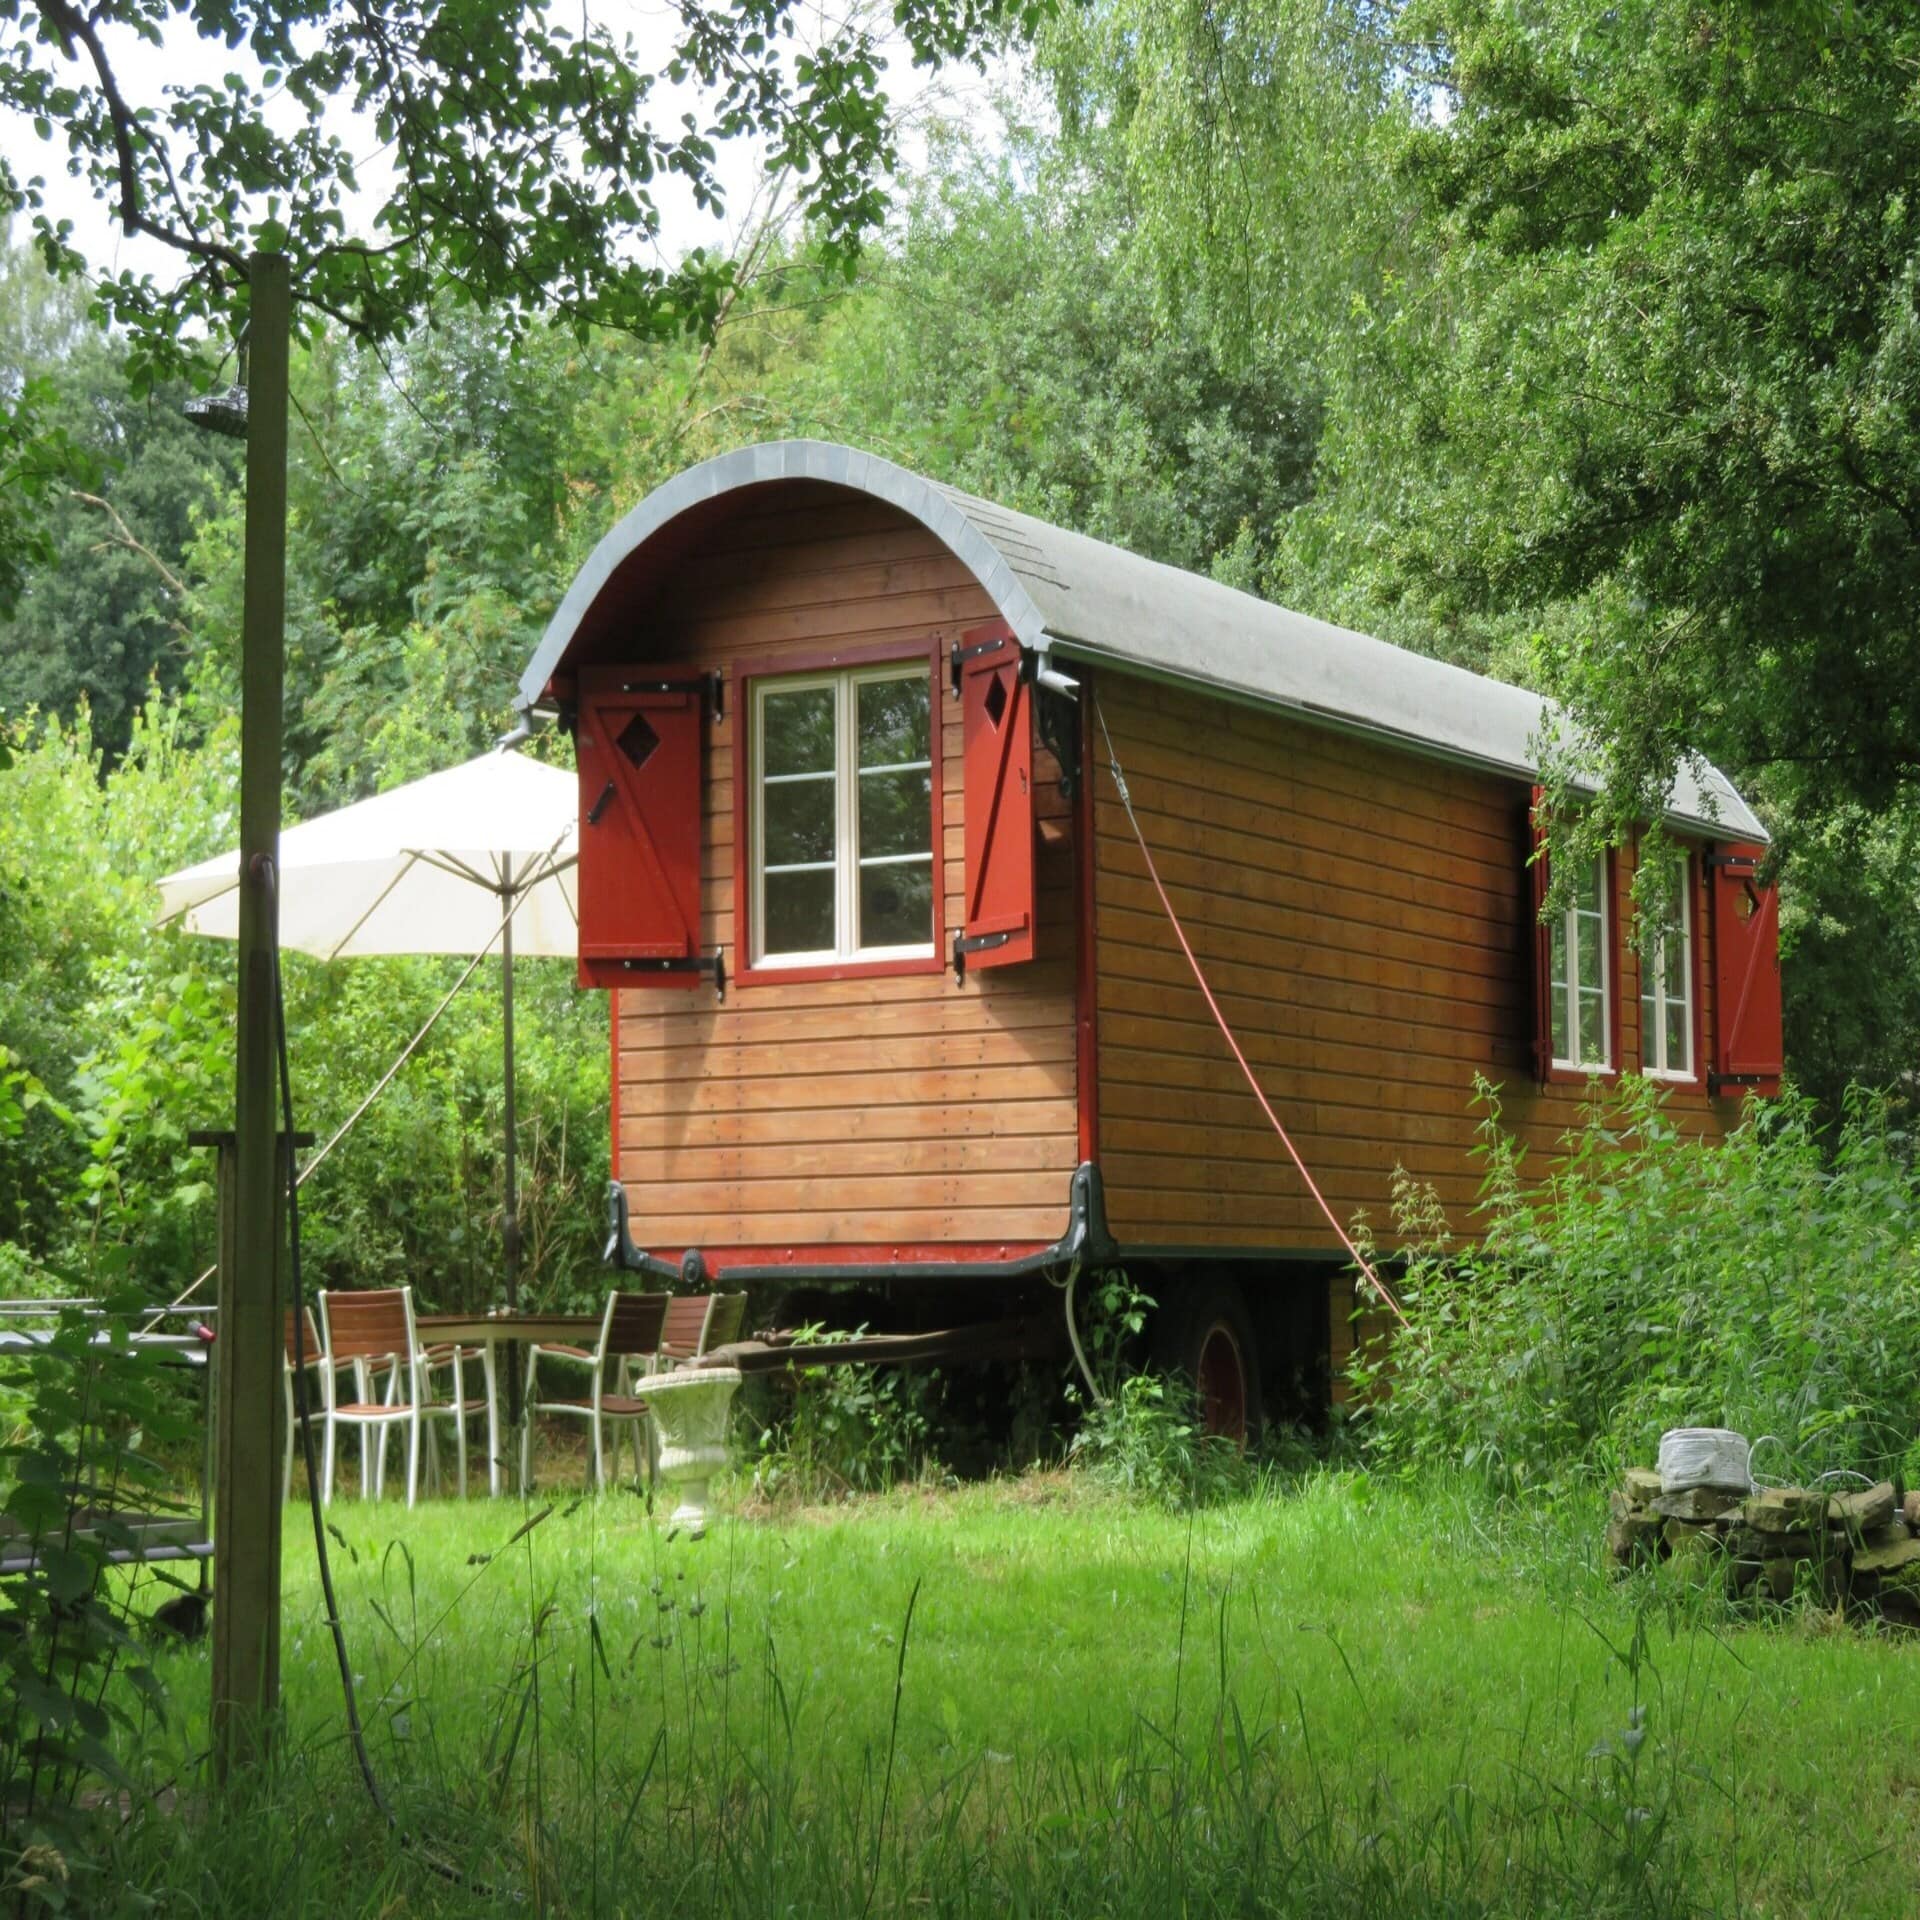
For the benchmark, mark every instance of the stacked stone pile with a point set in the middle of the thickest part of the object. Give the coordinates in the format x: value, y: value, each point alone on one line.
x: 1860, y: 1547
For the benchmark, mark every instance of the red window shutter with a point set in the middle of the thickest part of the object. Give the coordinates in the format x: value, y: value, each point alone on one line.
x: 1540, y: 936
x: 1747, y: 1049
x: 637, y: 743
x: 997, y: 753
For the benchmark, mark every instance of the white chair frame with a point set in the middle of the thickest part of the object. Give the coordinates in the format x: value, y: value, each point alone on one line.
x: 313, y: 1361
x: 377, y: 1419
x: 594, y: 1412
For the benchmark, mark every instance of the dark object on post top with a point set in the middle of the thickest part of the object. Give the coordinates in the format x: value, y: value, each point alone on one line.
x: 222, y: 413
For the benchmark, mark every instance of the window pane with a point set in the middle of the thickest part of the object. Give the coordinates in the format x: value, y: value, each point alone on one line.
x: 799, y: 913
x: 1593, y: 1045
x: 896, y: 813
x: 797, y: 731
x: 1673, y: 957
x: 1677, y: 1039
x: 893, y: 721
x: 896, y: 904
x: 1557, y: 977
x: 1649, y: 1029
x: 1587, y: 894
x: 798, y: 822
x: 1589, y: 951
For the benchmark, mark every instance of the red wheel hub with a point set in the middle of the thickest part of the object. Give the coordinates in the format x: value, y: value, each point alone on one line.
x: 1220, y: 1376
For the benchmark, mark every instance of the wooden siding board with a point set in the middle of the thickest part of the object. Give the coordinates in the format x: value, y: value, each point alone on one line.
x: 1361, y: 915
x: 900, y: 1110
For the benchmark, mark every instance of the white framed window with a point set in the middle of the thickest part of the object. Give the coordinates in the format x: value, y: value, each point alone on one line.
x: 1666, y: 980
x: 1579, y: 974
x: 842, y: 816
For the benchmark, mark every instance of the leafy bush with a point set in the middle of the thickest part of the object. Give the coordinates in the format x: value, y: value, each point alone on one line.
x: 850, y: 1429
x: 1143, y: 1433
x: 1654, y: 1280
x: 116, y: 1040
x: 73, y: 1677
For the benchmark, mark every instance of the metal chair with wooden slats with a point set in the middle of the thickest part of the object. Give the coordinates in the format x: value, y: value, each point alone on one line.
x: 372, y: 1330
x: 314, y: 1357
x: 630, y: 1329
x: 685, y: 1333
x: 724, y: 1321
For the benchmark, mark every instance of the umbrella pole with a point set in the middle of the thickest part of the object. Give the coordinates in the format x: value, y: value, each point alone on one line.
x: 510, y: 1218
x: 511, y: 1224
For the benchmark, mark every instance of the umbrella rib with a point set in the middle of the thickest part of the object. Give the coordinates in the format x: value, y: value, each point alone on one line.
x: 449, y: 863
x: 373, y: 907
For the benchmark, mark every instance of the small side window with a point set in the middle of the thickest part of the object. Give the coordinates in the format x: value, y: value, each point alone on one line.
x: 1579, y: 974
x: 1666, y: 980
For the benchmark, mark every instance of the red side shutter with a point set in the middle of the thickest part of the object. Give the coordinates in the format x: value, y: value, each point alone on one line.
x: 997, y: 752
x: 1540, y: 937
x: 1747, y: 1049
x: 638, y: 749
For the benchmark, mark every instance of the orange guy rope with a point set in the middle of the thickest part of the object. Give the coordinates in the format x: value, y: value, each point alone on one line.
x: 1360, y: 1260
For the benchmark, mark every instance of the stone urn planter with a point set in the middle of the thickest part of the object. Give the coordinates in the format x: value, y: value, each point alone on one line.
x: 690, y: 1409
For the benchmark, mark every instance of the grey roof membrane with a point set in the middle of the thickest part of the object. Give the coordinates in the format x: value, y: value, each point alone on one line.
x: 1075, y: 598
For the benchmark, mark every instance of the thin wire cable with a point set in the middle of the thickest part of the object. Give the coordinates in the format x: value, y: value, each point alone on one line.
x: 303, y: 1402
x: 1360, y: 1260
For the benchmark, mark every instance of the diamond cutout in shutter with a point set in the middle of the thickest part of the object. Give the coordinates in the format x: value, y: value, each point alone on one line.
x: 637, y: 741
x: 996, y: 701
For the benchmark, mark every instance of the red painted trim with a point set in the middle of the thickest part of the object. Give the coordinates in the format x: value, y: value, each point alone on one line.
x: 917, y: 1253
x: 1086, y: 1073
x: 779, y: 667
x: 1616, y: 967
x: 1702, y: 906
x: 613, y: 1104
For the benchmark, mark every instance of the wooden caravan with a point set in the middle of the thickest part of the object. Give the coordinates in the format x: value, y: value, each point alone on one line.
x: 894, y: 1000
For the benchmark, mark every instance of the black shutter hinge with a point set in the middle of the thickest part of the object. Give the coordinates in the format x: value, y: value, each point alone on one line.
x: 713, y: 686
x: 959, y: 656
x: 711, y: 965
x: 964, y: 944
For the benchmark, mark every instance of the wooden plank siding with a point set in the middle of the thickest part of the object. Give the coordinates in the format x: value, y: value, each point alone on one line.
x: 887, y: 1114
x: 1362, y: 915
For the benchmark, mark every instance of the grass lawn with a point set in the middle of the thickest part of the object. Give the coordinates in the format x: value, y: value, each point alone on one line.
x: 1335, y: 1697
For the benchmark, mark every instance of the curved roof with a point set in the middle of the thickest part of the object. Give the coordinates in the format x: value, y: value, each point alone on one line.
x: 1067, y: 595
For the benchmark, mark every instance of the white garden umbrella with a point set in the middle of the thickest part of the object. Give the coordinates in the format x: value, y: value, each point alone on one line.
x: 431, y: 867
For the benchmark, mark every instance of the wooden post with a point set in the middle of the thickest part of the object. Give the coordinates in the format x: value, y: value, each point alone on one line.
x: 246, y: 1614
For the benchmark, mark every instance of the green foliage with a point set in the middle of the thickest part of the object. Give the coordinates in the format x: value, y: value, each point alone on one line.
x: 524, y: 151
x: 1015, y: 346
x: 78, y: 1696
x: 849, y: 1429
x: 1683, y: 386
x: 1651, y: 1281
x: 103, y: 609
x: 118, y: 1038
x: 1141, y: 1433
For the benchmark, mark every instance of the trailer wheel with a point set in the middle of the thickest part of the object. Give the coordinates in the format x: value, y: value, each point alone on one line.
x: 1204, y: 1335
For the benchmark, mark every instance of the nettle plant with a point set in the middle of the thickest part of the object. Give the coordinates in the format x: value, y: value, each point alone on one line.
x: 850, y: 1429
x: 1769, y: 1282
x: 80, y: 1696
x: 1142, y: 1433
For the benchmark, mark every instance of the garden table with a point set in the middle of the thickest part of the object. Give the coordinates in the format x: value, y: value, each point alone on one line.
x: 493, y: 1330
